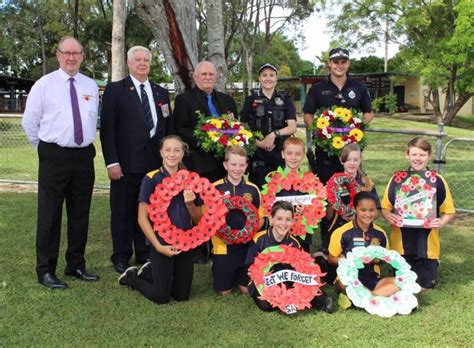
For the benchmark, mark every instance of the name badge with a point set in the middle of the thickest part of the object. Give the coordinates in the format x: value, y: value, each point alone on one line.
x: 327, y: 92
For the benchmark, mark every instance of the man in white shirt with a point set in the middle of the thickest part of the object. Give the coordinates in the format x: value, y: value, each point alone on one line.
x: 135, y: 117
x: 60, y: 121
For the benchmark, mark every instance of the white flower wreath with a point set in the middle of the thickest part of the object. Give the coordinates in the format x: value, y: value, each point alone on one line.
x: 402, y: 302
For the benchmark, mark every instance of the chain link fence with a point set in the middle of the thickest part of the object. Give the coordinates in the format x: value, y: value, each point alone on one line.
x: 384, y: 155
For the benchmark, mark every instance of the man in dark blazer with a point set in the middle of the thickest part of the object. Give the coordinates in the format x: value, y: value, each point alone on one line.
x: 201, y: 98
x: 135, y: 117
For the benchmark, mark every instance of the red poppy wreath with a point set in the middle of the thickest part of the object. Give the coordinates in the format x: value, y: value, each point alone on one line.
x: 210, y: 222
x: 234, y: 236
x: 305, y: 276
x: 337, y: 184
x: 286, y: 179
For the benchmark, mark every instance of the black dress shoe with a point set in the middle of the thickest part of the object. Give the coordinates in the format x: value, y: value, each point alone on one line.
x: 121, y: 267
x: 81, y: 274
x: 51, y: 282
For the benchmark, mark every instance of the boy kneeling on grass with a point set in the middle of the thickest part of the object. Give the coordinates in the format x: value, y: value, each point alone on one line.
x: 281, y: 221
x: 228, y: 261
x: 361, y: 233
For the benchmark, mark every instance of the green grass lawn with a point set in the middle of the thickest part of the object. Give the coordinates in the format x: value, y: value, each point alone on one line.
x: 107, y: 314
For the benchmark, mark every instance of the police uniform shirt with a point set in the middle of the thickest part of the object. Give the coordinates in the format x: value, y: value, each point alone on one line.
x: 265, y: 239
x: 368, y: 186
x: 235, y: 219
x: 177, y: 210
x: 278, y: 99
x: 350, y: 236
x: 420, y: 242
x: 325, y: 94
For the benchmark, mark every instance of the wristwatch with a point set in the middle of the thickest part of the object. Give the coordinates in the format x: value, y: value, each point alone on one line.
x: 277, y: 133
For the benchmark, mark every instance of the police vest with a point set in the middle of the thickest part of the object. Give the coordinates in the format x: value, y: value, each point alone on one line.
x: 268, y: 115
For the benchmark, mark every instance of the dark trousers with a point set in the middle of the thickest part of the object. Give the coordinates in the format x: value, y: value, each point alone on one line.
x: 126, y: 232
x: 64, y: 174
x: 262, y: 163
x: 326, y: 166
x: 172, y: 277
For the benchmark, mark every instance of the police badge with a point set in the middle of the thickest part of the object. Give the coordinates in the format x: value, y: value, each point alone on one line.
x: 279, y: 101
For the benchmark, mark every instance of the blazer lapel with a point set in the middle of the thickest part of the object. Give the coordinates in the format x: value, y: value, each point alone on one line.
x: 197, y: 95
x: 132, y: 94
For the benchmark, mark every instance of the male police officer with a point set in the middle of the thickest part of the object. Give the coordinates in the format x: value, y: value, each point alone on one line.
x: 273, y: 114
x: 338, y: 88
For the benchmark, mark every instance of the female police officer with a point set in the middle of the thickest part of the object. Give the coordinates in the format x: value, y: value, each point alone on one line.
x: 273, y: 114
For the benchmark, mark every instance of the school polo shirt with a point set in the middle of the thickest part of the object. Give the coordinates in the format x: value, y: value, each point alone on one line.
x: 265, y: 239
x: 177, y: 211
x: 325, y: 93
x: 235, y: 219
x: 420, y: 242
x: 350, y: 236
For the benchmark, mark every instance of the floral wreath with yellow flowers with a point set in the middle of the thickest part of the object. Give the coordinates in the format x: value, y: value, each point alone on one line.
x: 216, y: 133
x: 336, y: 127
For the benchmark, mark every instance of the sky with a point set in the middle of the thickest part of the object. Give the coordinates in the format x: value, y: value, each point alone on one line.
x: 318, y: 39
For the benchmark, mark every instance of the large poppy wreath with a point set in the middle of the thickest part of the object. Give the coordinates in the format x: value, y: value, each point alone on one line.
x: 286, y: 179
x: 402, y: 302
x: 306, y: 278
x: 337, y: 184
x: 234, y: 236
x: 210, y: 222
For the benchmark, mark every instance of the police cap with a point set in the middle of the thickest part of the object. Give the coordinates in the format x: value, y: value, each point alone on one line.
x: 338, y: 53
x: 267, y: 66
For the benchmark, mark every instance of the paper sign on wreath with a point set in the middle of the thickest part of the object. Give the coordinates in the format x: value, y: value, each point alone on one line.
x: 415, y: 197
x: 297, y: 200
x: 275, y: 288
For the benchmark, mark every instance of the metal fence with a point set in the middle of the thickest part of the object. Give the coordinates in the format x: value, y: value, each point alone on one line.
x: 384, y: 155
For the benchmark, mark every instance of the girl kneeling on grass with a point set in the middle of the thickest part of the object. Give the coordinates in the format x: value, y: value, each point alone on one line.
x: 362, y: 232
x: 171, y: 269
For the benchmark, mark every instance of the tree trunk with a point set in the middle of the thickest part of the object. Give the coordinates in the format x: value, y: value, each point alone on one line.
x: 119, y: 17
x: 44, y: 61
x: 173, y: 24
x: 76, y: 19
x: 435, y: 103
x: 215, y: 38
x: 452, y: 112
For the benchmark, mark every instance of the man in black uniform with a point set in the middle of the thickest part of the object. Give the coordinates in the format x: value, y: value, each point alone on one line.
x: 273, y: 114
x: 337, y: 89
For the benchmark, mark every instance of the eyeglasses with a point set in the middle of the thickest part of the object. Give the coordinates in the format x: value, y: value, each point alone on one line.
x: 69, y: 54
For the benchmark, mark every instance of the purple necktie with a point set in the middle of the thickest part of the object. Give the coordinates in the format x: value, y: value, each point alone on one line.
x: 76, y: 114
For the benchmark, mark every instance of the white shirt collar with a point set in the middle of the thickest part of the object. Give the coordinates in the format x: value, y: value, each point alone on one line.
x: 65, y: 76
x: 138, y: 83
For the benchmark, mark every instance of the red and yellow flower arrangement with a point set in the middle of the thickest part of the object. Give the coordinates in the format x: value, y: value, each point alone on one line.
x: 336, y: 127
x: 215, y: 134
